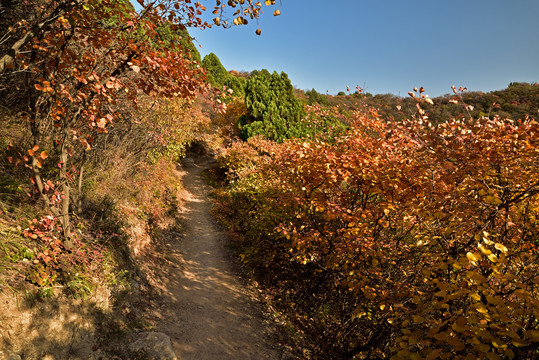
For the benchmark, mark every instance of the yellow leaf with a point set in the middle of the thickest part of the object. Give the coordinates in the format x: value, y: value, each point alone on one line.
x: 434, y: 354
x: 483, y: 347
x: 460, y: 325
x: 475, y: 276
x: 513, y: 335
x: 492, y: 200
x: 499, y: 344
x: 500, y: 247
x: 483, y: 249
x: 463, y: 260
x: 519, y: 342
x: 485, y: 335
x: 493, y: 356
x: 473, y: 257
x: 495, y: 300
x: 440, y: 294
x: 476, y: 297
x: 481, y: 309
x: 523, y: 294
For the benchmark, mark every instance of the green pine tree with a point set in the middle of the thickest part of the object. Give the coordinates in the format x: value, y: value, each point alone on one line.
x: 274, y: 110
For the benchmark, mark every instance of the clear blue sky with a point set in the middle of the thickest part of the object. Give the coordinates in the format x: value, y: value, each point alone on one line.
x: 390, y: 46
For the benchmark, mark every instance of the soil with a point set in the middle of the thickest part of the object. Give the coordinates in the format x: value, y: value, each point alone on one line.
x: 206, y: 307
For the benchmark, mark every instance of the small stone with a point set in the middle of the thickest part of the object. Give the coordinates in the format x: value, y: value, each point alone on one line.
x: 14, y: 357
x: 157, y: 346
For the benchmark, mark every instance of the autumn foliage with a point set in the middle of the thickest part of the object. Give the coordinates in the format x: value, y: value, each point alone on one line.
x: 97, y: 105
x: 73, y: 69
x: 403, y: 240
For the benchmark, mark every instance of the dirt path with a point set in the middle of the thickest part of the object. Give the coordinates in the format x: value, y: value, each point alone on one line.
x: 208, y: 312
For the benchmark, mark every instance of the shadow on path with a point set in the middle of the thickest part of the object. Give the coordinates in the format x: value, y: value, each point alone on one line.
x: 206, y: 309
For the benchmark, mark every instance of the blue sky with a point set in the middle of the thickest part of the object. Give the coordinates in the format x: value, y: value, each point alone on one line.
x: 389, y: 46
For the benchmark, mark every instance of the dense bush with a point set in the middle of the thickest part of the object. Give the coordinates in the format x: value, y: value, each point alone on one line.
x: 408, y: 240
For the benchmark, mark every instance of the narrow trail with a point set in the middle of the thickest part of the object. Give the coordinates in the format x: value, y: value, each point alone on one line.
x: 208, y: 311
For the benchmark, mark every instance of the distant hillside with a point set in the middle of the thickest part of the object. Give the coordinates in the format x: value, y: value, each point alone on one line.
x: 514, y: 102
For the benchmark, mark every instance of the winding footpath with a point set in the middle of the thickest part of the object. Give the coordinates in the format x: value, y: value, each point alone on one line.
x: 209, y: 312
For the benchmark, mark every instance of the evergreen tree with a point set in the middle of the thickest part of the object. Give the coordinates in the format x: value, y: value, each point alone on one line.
x: 237, y: 84
x: 274, y: 110
x: 215, y: 71
x: 186, y: 41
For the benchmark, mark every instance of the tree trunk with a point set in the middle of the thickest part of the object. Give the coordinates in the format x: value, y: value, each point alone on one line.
x: 65, y: 201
